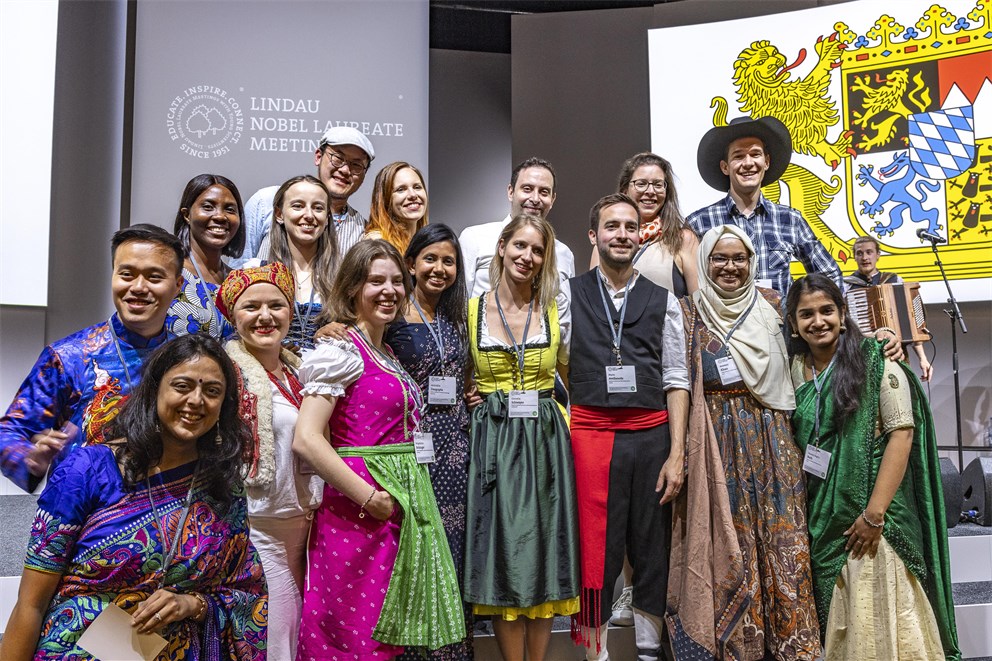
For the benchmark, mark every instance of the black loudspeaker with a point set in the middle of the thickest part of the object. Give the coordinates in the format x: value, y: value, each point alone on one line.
x: 951, y: 479
x: 976, y: 482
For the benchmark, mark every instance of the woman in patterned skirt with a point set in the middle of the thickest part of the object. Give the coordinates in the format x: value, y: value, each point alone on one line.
x: 154, y: 523
x: 740, y: 363
x: 367, y: 594
x: 881, y: 568
x: 430, y: 342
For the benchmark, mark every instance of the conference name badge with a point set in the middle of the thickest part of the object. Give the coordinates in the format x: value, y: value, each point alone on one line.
x: 442, y: 390
x: 621, y: 378
x: 816, y: 462
x: 728, y: 370
x: 423, y: 447
x: 523, y: 403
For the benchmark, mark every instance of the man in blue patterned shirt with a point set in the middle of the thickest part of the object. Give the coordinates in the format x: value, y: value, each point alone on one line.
x: 79, y: 382
x: 741, y: 158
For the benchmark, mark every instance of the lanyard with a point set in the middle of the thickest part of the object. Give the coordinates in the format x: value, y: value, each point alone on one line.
x: 210, y: 299
x: 615, y: 331
x: 733, y: 329
x: 435, y: 332
x: 818, y: 386
x: 407, y: 384
x: 294, y: 393
x: 518, y: 349
x: 120, y: 354
x: 305, y: 320
x: 168, y: 547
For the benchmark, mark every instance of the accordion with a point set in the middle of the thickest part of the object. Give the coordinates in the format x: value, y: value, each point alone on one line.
x: 899, y: 307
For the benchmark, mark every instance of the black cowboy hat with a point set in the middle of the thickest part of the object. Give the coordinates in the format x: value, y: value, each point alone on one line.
x: 713, y: 148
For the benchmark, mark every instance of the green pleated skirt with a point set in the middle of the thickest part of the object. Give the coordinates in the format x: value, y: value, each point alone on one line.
x: 522, y: 540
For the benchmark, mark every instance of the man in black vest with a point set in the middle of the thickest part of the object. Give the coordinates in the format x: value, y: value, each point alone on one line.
x: 629, y: 389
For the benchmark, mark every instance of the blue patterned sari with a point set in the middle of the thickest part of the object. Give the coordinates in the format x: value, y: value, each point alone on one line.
x: 104, y: 541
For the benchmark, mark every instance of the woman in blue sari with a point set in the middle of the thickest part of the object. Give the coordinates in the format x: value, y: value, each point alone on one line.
x: 154, y: 523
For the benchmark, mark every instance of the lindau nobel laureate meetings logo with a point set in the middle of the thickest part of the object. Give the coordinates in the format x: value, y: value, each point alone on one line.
x: 205, y: 121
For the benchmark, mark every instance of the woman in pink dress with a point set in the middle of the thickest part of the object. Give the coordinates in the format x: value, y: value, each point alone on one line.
x: 360, y: 413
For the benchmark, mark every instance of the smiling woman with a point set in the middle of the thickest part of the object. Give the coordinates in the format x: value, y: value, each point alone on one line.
x: 360, y: 415
x: 208, y: 223
x: 281, y: 495
x: 153, y: 522
x: 399, y: 205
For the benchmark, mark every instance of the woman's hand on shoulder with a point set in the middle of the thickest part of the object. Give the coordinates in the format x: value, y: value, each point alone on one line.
x: 334, y: 330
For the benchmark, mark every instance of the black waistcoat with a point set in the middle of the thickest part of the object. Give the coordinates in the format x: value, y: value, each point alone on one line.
x: 592, y: 344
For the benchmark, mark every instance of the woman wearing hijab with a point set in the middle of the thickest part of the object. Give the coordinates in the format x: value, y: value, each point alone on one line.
x: 741, y: 369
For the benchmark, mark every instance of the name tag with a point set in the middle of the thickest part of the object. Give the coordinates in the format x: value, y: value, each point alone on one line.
x: 621, y: 379
x: 728, y: 370
x: 523, y: 403
x: 423, y: 447
x: 765, y: 283
x: 442, y: 390
x: 816, y: 462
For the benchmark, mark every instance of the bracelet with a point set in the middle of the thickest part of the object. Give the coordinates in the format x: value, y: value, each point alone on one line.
x: 361, y: 514
x: 884, y: 328
x: 202, y: 610
x: 865, y: 518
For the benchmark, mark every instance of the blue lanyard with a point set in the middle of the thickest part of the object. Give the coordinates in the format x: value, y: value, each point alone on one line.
x: 615, y: 331
x: 737, y: 324
x: 169, y: 548
x: 210, y: 300
x: 518, y: 350
x: 305, y: 319
x: 120, y: 354
x: 435, y: 332
x: 818, y: 386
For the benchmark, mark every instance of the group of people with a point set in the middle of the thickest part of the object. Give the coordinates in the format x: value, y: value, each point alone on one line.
x: 308, y: 435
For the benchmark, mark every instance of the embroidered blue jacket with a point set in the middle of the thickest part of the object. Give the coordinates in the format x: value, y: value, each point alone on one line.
x: 80, y: 380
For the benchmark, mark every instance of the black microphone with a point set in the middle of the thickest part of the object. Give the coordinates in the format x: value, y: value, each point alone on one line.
x: 927, y: 236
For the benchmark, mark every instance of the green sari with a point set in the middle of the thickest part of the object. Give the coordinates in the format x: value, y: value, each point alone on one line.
x: 914, y: 522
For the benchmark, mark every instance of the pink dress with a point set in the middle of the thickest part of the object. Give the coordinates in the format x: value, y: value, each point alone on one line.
x: 350, y: 560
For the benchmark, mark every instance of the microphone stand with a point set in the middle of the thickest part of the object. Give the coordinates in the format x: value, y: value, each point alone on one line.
x: 955, y: 314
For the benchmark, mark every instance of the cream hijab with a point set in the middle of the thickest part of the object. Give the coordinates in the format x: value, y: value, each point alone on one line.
x: 757, y: 344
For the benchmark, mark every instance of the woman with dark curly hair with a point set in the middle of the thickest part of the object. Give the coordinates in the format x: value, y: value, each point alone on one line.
x: 153, y: 523
x: 208, y: 223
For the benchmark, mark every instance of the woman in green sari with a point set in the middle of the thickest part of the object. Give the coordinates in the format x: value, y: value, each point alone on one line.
x: 881, y: 569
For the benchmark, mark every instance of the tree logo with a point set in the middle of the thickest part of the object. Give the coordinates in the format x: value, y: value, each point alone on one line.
x: 204, y: 121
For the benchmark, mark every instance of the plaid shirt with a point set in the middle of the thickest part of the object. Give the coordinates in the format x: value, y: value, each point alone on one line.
x: 779, y: 234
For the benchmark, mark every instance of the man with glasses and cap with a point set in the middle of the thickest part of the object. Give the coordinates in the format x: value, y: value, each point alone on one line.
x: 740, y: 158
x: 342, y: 158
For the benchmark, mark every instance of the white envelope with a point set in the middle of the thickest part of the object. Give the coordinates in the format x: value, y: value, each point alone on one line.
x: 112, y: 638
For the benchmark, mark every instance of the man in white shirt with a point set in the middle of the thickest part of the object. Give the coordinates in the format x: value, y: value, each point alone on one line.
x: 342, y: 159
x: 531, y: 192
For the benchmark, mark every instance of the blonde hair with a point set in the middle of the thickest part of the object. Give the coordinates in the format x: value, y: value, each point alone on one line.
x: 546, y: 282
x: 381, y: 219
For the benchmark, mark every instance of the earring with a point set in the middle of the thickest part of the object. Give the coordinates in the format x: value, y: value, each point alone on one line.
x: 218, y: 440
x: 795, y: 335
x: 158, y: 429
x: 843, y: 328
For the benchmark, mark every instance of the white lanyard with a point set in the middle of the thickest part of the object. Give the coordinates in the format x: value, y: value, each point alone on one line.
x: 435, y: 332
x: 818, y: 386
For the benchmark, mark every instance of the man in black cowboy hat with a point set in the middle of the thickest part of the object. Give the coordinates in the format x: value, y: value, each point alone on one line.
x: 741, y: 158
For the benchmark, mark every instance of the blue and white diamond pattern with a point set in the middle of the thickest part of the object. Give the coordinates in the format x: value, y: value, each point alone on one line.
x: 942, y: 142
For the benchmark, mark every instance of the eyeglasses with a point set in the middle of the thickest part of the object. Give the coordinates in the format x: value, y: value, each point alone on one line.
x: 720, y: 261
x: 641, y: 185
x: 357, y: 168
